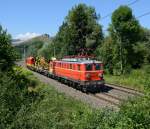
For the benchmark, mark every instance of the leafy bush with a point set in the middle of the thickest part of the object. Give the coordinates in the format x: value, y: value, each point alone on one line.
x: 135, y: 114
x: 7, y: 52
x: 14, y: 95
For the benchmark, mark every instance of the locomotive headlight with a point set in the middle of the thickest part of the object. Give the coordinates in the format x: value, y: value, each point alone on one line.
x: 100, y: 75
x: 88, y: 76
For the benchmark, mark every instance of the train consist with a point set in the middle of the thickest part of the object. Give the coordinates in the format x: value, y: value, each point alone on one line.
x: 80, y: 72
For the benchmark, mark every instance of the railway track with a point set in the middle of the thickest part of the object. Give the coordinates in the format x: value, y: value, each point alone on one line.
x: 125, y: 89
x: 106, y: 98
x: 116, y: 100
x: 110, y: 98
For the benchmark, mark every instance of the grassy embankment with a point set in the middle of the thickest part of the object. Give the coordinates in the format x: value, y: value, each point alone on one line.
x: 32, y: 104
x: 137, y: 79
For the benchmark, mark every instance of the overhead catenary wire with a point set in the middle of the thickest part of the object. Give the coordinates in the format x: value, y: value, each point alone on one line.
x: 109, y: 14
x: 143, y: 15
x: 133, y: 2
x: 140, y: 16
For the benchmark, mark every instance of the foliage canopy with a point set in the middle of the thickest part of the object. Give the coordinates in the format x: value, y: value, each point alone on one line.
x: 79, y: 31
x: 7, y: 52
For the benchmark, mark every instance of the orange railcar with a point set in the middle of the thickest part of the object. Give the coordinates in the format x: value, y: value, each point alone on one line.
x: 30, y: 61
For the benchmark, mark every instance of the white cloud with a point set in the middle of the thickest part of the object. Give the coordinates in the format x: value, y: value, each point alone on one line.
x: 26, y: 36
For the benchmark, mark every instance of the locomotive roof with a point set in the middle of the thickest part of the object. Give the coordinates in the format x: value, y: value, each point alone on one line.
x: 78, y: 61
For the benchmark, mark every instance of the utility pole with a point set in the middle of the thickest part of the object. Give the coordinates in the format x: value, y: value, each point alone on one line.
x: 24, y: 52
x: 54, y: 49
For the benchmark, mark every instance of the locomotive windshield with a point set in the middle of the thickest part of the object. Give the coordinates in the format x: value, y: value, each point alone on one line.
x: 88, y: 67
x: 97, y: 66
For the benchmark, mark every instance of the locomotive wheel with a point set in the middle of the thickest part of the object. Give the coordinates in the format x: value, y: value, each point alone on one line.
x: 78, y: 87
x: 52, y: 76
x: 69, y: 83
x: 59, y: 79
x: 49, y: 75
x: 84, y: 89
x: 65, y: 81
x: 74, y: 85
x: 62, y: 80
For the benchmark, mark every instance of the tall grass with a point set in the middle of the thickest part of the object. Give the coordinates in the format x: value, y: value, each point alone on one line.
x: 137, y: 79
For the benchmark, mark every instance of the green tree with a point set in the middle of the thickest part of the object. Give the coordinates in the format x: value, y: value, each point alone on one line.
x: 7, y: 52
x: 105, y: 53
x: 47, y: 50
x: 125, y: 31
x: 80, y: 30
x: 33, y: 48
x: 146, y: 43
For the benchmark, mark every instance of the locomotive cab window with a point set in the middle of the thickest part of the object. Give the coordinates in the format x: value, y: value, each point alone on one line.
x: 88, y: 67
x: 97, y: 67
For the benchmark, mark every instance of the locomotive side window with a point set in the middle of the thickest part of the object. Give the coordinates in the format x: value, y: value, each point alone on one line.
x: 97, y: 66
x: 88, y: 67
x: 78, y: 67
x: 70, y: 66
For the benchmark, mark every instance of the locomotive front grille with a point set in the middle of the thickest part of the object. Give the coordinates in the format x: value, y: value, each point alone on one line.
x: 99, y: 82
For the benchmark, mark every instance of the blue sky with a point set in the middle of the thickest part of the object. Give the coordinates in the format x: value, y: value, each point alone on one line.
x: 22, y: 17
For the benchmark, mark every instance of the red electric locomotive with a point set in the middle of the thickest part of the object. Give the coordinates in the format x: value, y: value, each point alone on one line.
x: 80, y: 71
